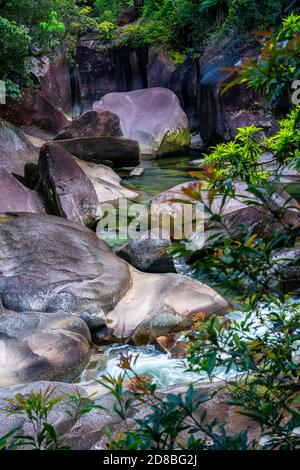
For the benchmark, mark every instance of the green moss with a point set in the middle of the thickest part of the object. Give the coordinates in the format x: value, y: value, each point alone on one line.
x: 175, y: 141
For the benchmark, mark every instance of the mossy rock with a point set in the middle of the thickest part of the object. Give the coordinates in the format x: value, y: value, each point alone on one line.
x: 175, y: 141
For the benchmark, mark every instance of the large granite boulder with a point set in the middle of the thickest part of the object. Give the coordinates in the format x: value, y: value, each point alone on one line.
x: 49, y: 264
x: 92, y: 124
x: 34, y: 110
x: 15, y: 148
x: 52, y: 265
x: 161, y: 304
x: 68, y: 189
x: 149, y: 252
x: 14, y: 197
x: 183, y: 80
x: 77, y: 430
x: 108, y: 150
x: 151, y: 116
x: 42, y: 346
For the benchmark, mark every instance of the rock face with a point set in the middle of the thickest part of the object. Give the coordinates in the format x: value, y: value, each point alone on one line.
x: 183, y: 80
x: 36, y: 111
x: 92, y: 124
x: 42, y: 346
x: 49, y: 264
x: 111, y: 150
x: 15, y: 148
x: 103, y: 70
x: 69, y: 191
x: 52, y: 265
x: 222, y: 113
x: 161, y: 304
x: 106, y: 182
x: 80, y: 432
x: 153, y: 117
x: 14, y: 197
x: 149, y: 253
x: 54, y: 79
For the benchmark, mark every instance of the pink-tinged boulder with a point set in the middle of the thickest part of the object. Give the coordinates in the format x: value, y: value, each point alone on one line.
x: 34, y: 110
x: 92, y: 124
x: 69, y: 190
x: 15, y: 149
x: 14, y: 197
x: 153, y: 117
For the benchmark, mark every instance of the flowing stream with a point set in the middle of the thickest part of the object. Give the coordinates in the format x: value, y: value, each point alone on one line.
x: 160, y: 175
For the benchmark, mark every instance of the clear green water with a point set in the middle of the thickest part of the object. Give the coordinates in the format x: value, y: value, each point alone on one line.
x: 160, y: 175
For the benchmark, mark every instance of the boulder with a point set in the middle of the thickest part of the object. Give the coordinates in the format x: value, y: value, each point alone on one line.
x: 15, y: 148
x: 113, y: 150
x: 106, y: 182
x: 79, y: 431
x: 68, y: 189
x: 92, y: 124
x: 151, y: 116
x: 34, y: 110
x: 161, y: 304
x: 149, y: 252
x: 14, y: 197
x: 49, y: 264
x: 183, y: 80
x: 42, y: 346
x: 106, y: 68
x: 53, y: 265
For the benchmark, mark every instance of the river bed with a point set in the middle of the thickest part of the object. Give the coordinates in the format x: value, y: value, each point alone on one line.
x: 160, y: 175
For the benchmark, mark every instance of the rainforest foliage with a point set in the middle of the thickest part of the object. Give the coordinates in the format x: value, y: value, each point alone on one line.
x: 30, y: 29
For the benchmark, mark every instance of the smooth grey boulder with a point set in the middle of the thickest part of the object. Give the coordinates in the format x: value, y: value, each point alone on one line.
x: 92, y: 124
x: 153, y: 117
x: 68, y: 189
x: 15, y: 149
x: 149, y: 252
x: 115, y: 151
x: 49, y: 264
x: 42, y: 346
x: 14, y: 197
x: 161, y: 304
